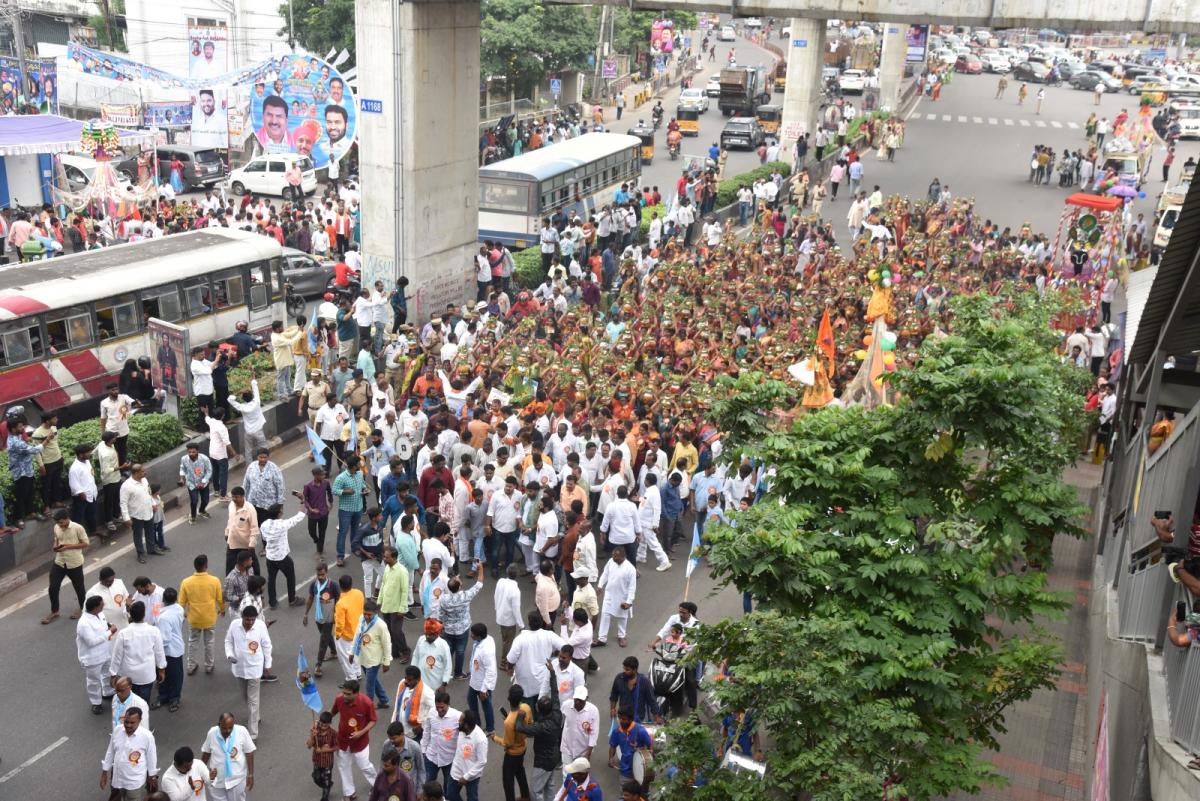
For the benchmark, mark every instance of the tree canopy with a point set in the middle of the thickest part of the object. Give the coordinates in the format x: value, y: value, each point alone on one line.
x: 895, y: 562
x: 525, y: 40
x: 322, y: 25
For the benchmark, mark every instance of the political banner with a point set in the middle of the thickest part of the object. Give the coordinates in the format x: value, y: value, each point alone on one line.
x: 297, y: 104
x: 917, y: 40
x: 39, y: 87
x: 167, y: 114
x: 208, y: 59
x: 662, y: 36
x: 170, y: 345
x: 125, y: 115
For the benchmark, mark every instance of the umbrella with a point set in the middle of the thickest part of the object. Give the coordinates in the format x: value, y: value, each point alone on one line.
x: 1121, y: 190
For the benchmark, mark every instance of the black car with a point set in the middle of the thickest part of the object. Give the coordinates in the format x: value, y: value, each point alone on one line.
x: 744, y: 132
x: 1087, y: 81
x: 1031, y: 71
x: 203, y: 167
x: 1069, y: 69
x: 307, y: 274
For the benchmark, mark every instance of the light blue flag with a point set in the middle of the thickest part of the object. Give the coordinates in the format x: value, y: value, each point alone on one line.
x: 308, y: 687
x: 694, y: 556
x: 316, y: 446
x: 352, y: 443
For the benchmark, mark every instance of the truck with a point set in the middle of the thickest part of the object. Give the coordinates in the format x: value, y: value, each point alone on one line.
x: 742, y: 91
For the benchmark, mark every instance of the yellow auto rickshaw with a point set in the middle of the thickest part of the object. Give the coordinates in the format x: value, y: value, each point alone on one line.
x: 647, y: 137
x: 689, y: 120
x: 780, y: 76
x: 769, y: 118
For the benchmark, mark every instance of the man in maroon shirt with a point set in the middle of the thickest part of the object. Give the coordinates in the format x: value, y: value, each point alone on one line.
x: 356, y: 717
x: 426, y: 494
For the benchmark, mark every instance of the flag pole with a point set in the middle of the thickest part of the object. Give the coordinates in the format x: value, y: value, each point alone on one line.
x: 687, y: 586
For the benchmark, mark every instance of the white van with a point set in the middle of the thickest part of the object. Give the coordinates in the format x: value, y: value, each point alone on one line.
x: 267, y: 175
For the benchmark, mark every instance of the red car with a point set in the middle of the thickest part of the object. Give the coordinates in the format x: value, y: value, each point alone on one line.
x: 968, y: 64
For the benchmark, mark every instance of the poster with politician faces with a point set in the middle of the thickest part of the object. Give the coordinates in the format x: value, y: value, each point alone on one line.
x: 208, y: 60
x: 306, y: 108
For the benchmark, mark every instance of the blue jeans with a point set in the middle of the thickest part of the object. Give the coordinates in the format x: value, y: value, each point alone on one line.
x: 283, y: 382
x: 454, y: 791
x: 198, y: 500
x: 458, y: 648
x: 220, y: 476
x: 372, y: 686
x: 474, y: 702
x: 347, y: 524
x: 502, y: 540
x: 432, y: 771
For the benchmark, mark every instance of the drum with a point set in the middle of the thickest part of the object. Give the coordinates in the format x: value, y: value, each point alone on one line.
x: 642, y: 766
x: 740, y: 763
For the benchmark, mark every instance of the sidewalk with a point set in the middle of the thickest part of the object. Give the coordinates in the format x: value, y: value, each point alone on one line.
x: 1043, y: 754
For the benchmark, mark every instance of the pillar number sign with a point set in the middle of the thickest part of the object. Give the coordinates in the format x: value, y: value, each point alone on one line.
x: 799, y: 43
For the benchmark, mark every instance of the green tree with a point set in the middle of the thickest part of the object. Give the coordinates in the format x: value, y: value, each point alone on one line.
x: 895, y: 568
x: 631, y: 29
x: 525, y: 41
x: 322, y: 25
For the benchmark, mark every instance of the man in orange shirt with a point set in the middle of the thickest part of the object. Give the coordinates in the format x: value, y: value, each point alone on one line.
x: 347, y: 615
x: 478, y: 428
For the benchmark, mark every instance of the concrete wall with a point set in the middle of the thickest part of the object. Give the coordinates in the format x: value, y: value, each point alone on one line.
x: 1152, y: 16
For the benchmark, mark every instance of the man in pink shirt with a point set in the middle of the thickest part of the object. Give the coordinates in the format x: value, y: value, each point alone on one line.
x: 20, y: 231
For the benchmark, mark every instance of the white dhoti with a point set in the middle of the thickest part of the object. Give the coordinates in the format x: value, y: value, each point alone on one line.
x: 345, y: 650
x: 649, y: 539
x: 235, y: 793
x: 607, y: 616
x: 344, y: 761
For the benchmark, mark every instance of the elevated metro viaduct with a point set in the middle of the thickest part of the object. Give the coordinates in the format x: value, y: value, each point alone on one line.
x: 419, y: 78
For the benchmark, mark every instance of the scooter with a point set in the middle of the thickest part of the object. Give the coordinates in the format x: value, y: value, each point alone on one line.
x: 674, y: 151
x: 667, y: 675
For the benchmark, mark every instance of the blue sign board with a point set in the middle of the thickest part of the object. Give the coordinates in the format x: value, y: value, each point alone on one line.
x: 370, y: 106
x: 556, y: 86
x: 799, y: 43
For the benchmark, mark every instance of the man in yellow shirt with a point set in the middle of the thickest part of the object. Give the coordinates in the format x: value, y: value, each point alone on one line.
x: 347, y: 615
x: 201, y: 596
x: 283, y: 357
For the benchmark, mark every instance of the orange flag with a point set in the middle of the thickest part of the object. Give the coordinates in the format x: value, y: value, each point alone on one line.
x: 825, y: 339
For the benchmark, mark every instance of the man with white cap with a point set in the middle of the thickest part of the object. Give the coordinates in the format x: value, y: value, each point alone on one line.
x: 579, y: 785
x: 581, y: 729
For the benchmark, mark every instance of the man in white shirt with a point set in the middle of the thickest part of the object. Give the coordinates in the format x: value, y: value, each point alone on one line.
x: 470, y: 757
x: 619, y: 582
x: 93, y: 645
x: 82, y: 483
x: 248, y: 649
x: 649, y: 514
x: 561, y: 443
x: 528, y: 655
x: 581, y: 727
x: 185, y: 779
x: 124, y: 699
x: 621, y: 523
x: 253, y: 421
x: 482, y: 681
x: 137, y: 508
x: 138, y: 652
x: 501, y: 526
x: 131, y: 758
x: 439, y: 737
x: 202, y: 380
x: 228, y: 751
x: 112, y: 590
x: 114, y: 415
x: 564, y: 676
x: 507, y: 602
x: 149, y: 595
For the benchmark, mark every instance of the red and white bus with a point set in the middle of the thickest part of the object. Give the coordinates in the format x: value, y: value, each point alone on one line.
x: 67, y: 325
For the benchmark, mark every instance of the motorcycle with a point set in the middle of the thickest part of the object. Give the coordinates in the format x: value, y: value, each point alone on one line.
x: 657, y: 118
x: 667, y: 673
x: 673, y: 150
x: 295, y: 303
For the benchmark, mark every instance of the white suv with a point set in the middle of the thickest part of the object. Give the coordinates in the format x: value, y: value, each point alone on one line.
x: 267, y: 175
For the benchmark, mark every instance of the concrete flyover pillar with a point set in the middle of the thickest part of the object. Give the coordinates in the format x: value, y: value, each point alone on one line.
x: 418, y: 82
x: 891, y: 64
x: 802, y: 93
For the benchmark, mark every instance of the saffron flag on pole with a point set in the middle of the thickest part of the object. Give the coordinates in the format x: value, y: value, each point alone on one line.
x: 304, y: 680
x: 694, y: 556
x: 825, y: 339
x: 316, y: 446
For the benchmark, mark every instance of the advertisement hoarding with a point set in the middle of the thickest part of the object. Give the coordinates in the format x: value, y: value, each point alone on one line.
x: 208, y: 59
x: 917, y: 40
x: 171, y: 348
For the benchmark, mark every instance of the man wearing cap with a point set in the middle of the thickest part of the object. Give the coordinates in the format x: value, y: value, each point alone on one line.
x: 579, y: 785
x: 432, y: 656
x: 581, y: 728
x: 312, y: 396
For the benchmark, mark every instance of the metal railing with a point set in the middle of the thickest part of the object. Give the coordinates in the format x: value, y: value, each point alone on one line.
x: 1142, y: 594
x: 1181, y: 671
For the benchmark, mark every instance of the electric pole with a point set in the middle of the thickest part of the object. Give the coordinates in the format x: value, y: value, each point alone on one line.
x: 12, y: 12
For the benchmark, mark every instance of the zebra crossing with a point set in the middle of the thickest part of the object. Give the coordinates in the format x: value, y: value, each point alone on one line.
x: 998, y: 121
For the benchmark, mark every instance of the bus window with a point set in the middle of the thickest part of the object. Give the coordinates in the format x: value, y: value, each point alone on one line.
x: 196, y: 297
x: 67, y: 329
x: 161, y: 302
x: 22, y: 342
x: 503, y: 197
x: 260, y: 284
x: 230, y: 289
x: 276, y: 268
x: 117, y: 317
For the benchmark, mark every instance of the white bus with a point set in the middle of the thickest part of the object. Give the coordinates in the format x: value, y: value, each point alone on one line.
x: 67, y: 325
x: 580, y: 173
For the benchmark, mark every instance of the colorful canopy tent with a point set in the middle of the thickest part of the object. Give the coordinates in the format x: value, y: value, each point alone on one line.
x: 27, y: 146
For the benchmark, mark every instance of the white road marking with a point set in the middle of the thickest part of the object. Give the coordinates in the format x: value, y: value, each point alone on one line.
x: 1039, y: 123
x: 1074, y: 126
x: 1007, y: 121
x: 931, y: 117
x: 946, y: 118
x: 962, y: 118
x: 1024, y: 123
x: 993, y: 121
x: 978, y: 120
x: 12, y: 773
x: 117, y: 553
x: 1056, y: 123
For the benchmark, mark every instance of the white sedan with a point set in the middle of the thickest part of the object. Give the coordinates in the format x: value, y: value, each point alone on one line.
x: 713, y: 87
x: 726, y: 34
x: 694, y: 98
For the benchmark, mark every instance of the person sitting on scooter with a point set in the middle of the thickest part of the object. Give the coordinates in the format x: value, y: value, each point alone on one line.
x: 673, y: 125
x: 674, y: 139
x: 657, y: 113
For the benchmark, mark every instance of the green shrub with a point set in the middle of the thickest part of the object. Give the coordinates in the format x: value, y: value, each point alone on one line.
x: 239, y: 382
x: 727, y: 189
x: 646, y: 212
x: 529, y: 273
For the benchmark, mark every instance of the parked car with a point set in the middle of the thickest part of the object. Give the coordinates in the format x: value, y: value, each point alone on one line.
x: 944, y: 55
x: 79, y: 171
x: 1146, y: 83
x: 307, y: 274
x: 1031, y: 71
x: 852, y: 82
x: 1089, y: 79
x: 743, y: 132
x: 203, y: 167
x: 726, y: 34
x: 713, y: 87
x: 267, y: 175
x: 696, y: 98
x: 968, y: 64
x: 1070, y: 68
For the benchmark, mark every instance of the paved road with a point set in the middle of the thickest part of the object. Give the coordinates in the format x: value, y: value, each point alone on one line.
x: 981, y: 147
x: 57, y: 752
